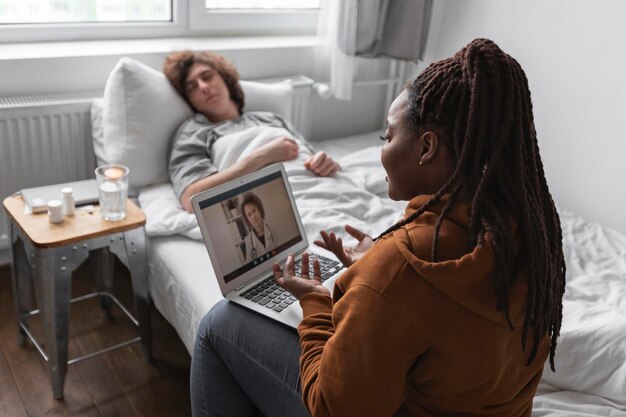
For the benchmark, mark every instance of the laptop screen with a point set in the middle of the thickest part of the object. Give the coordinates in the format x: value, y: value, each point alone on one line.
x: 250, y: 224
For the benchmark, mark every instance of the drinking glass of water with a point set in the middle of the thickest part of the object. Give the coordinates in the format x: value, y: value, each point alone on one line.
x: 112, y: 191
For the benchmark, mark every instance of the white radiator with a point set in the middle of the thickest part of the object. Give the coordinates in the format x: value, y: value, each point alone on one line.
x: 44, y: 139
x: 301, y: 104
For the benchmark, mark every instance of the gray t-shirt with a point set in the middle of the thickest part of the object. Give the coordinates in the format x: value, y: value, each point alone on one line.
x: 190, y: 157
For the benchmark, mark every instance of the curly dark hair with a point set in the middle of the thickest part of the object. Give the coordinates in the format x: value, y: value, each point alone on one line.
x: 481, y: 100
x: 251, y: 198
x: 177, y: 65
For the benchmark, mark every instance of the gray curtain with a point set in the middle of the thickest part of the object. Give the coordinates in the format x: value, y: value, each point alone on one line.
x: 393, y: 28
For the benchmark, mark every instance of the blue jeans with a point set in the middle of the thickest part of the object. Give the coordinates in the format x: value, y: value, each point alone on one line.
x: 244, y: 364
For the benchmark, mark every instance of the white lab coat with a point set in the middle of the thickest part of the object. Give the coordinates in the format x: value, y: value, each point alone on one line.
x: 254, y: 247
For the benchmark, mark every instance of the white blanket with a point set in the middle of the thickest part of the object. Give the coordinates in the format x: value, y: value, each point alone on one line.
x: 235, y: 146
x: 356, y: 195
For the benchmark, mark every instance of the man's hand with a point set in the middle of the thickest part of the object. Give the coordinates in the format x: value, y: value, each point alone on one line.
x: 280, y: 149
x: 322, y: 164
x: 346, y: 255
x: 300, y: 286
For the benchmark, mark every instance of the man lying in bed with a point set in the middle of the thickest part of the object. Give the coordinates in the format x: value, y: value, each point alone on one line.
x: 210, y: 85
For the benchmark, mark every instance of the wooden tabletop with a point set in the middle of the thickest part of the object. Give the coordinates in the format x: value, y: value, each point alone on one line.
x: 83, y: 225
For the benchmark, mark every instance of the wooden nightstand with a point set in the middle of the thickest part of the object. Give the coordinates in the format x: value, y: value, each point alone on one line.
x: 45, y: 254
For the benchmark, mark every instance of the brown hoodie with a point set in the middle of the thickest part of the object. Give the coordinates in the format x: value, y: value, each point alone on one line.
x: 403, y: 336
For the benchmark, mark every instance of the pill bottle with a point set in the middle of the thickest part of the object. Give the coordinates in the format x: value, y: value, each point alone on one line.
x: 68, y: 201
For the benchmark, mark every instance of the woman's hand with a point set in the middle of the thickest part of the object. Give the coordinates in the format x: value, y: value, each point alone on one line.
x: 322, y: 164
x: 347, y: 255
x: 299, y: 286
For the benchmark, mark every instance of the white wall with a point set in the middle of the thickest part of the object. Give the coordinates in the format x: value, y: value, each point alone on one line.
x: 574, y: 55
x: 48, y: 67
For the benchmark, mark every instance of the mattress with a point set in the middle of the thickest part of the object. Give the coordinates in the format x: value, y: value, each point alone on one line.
x: 182, y: 283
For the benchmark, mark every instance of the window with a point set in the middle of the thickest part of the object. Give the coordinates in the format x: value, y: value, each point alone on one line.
x: 84, y: 11
x: 255, y: 16
x: 262, y: 4
x: 57, y: 20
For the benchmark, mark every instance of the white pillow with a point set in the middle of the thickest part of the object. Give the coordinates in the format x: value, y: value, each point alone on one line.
x: 96, y: 131
x: 142, y: 111
x: 276, y: 97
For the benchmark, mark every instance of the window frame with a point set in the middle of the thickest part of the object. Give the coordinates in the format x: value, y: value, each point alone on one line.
x: 249, y: 22
x: 189, y: 19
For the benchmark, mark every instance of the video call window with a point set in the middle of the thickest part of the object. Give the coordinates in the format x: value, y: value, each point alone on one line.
x: 250, y: 224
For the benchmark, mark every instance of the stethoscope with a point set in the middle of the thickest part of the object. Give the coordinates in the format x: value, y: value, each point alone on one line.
x: 253, y: 252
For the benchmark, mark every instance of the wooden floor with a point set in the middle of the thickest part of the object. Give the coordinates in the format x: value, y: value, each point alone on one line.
x: 117, y: 383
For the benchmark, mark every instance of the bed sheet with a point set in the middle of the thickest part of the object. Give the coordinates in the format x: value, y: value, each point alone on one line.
x: 590, y: 378
x: 550, y: 402
x: 342, y: 147
x: 183, y: 286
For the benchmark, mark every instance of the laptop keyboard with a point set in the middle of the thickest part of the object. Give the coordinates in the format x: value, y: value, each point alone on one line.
x: 270, y: 295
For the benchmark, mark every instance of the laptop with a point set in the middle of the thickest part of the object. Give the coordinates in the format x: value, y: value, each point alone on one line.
x: 245, y: 275
x: 85, y: 192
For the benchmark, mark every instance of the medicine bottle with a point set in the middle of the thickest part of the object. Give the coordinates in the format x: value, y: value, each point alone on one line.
x: 68, y: 201
x: 55, y: 211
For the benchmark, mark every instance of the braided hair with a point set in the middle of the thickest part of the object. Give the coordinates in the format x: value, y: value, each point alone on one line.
x: 480, y: 99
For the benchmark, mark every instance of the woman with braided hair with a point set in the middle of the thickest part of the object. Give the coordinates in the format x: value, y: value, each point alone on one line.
x: 453, y: 310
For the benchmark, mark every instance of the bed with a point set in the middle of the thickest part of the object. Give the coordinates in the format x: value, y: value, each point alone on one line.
x: 591, y: 354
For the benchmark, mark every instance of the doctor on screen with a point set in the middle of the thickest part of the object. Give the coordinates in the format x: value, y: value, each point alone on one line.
x: 260, y: 238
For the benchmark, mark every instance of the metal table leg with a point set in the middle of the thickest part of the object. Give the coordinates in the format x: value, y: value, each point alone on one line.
x: 52, y: 281
x: 135, y: 244
x: 52, y: 277
x: 21, y: 280
x: 102, y: 267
